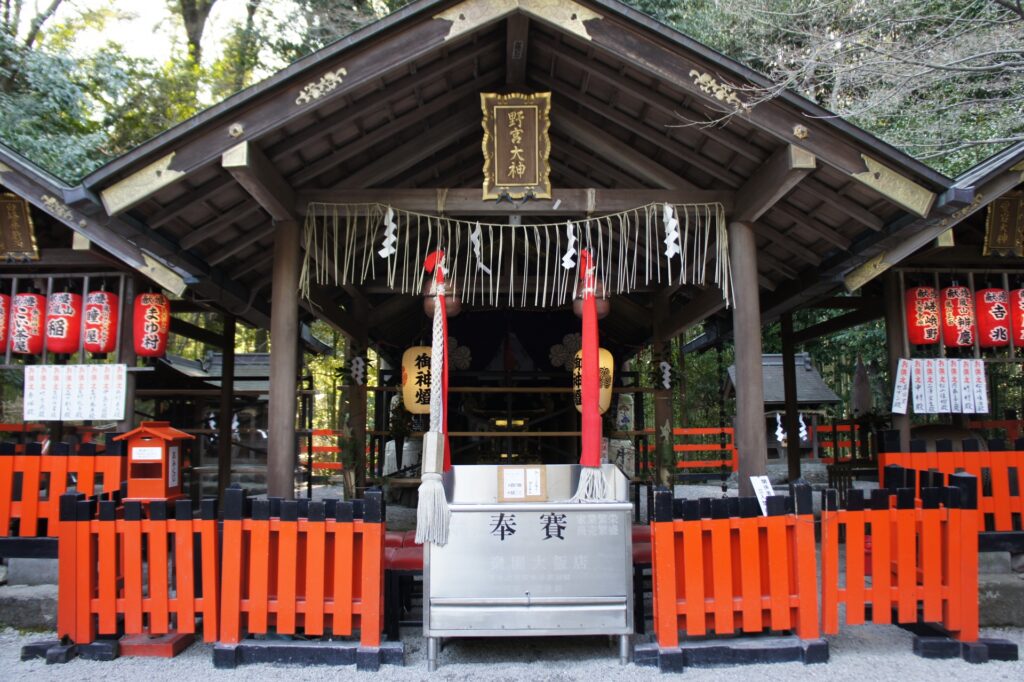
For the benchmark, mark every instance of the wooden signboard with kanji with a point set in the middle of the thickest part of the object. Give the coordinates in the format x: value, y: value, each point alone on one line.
x: 1004, y: 229
x: 516, y: 145
x: 17, y: 233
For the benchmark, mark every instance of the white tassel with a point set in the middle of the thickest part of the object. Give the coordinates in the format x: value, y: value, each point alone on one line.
x: 432, y: 513
x: 592, y: 487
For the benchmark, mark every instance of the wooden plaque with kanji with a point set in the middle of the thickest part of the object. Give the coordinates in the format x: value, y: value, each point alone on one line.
x: 516, y: 145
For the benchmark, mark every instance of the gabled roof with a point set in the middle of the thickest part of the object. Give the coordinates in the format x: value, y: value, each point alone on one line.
x: 162, y: 430
x: 391, y: 113
x: 811, y: 389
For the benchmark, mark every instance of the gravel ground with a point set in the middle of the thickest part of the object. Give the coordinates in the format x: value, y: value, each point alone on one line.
x: 870, y: 652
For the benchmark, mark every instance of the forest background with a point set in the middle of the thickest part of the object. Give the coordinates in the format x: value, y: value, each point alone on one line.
x: 83, y: 81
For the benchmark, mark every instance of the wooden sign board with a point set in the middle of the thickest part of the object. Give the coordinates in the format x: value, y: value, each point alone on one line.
x: 17, y: 233
x: 1004, y: 228
x: 516, y: 145
x: 522, y: 483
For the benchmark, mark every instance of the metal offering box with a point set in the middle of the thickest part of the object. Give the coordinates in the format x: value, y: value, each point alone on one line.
x: 533, y: 567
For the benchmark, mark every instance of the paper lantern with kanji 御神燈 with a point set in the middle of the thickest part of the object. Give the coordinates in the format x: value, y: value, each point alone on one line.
x: 5, y: 321
x: 63, y: 322
x: 101, y: 319
x: 416, y: 379
x: 1017, y: 316
x: 991, y: 307
x: 958, y: 324
x: 922, y: 316
x: 28, y: 312
x: 151, y: 324
x: 606, y: 377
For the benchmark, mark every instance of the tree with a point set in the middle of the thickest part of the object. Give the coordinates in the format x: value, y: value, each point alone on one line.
x: 941, y: 80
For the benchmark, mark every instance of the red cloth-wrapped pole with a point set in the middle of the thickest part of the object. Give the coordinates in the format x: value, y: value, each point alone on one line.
x: 592, y: 486
x: 590, y: 387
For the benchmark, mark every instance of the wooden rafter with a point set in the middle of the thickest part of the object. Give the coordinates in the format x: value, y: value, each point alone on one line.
x: 216, y: 226
x: 772, y: 181
x: 517, y: 32
x: 257, y: 175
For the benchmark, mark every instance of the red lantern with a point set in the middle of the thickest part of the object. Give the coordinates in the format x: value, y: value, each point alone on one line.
x: 29, y: 313
x: 957, y: 317
x: 63, y: 322
x: 5, y: 321
x: 1017, y: 316
x: 151, y: 324
x: 922, y: 316
x: 992, y: 309
x: 101, y: 319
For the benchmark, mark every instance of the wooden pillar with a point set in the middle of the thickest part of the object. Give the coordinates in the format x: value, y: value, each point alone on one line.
x: 894, y: 343
x: 227, y: 400
x: 126, y: 354
x: 284, y: 339
x: 791, y: 419
x: 751, y: 441
x: 661, y: 350
x: 357, y: 347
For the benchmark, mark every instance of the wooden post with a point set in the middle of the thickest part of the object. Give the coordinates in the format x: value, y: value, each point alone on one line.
x: 751, y: 442
x: 894, y: 343
x: 227, y: 399
x: 284, y: 338
x: 791, y: 420
x: 357, y: 347
x: 126, y: 354
x: 661, y: 350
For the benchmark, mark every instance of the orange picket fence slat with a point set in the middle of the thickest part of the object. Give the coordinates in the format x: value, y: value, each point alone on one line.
x: 924, y: 558
x: 733, y: 573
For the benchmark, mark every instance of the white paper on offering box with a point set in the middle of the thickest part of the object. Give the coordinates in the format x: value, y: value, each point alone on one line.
x: 917, y: 384
x: 942, y: 374
x: 980, y: 387
x: 967, y: 386
x: 953, y: 375
x: 901, y: 388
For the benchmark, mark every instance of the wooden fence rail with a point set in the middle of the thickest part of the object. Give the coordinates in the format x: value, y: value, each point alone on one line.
x: 32, y: 483
x: 924, y: 555
x: 1000, y: 500
x: 724, y: 568
x: 135, y: 569
x: 299, y: 566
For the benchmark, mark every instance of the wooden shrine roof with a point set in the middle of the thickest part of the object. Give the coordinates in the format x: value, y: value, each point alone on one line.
x: 391, y: 113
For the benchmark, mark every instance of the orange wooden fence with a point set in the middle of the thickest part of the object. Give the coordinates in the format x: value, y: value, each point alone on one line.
x: 922, y: 557
x: 707, y: 441
x: 302, y: 570
x: 31, y: 484
x: 846, y: 437
x: 736, y: 571
x: 1000, y: 500
x: 120, y: 575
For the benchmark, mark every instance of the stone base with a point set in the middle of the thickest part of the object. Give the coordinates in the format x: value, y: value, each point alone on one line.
x: 731, y: 651
x: 52, y: 650
x: 309, y: 653
x: 28, y: 607
x: 1001, y: 600
x: 982, y: 651
x: 31, y: 571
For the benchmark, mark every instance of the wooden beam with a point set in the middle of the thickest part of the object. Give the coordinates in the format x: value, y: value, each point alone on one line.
x: 408, y: 154
x: 617, y: 152
x: 659, y: 136
x: 751, y: 440
x: 563, y: 201
x: 284, y: 336
x: 788, y: 243
x: 836, y: 324
x: 661, y: 351
x: 772, y: 181
x: 843, y: 205
x: 322, y: 306
x: 65, y: 259
x: 790, y: 397
x: 393, y: 127
x: 191, y: 331
x: 517, y: 33
x: 214, y: 227
x: 241, y: 241
x: 699, y: 308
x: 809, y: 223
x: 253, y: 171
x: 225, y: 414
